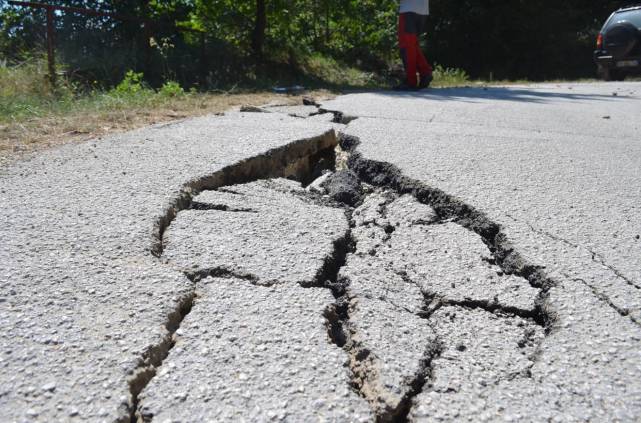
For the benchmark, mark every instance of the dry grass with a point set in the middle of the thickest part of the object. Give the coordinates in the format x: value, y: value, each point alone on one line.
x: 27, y: 134
x: 35, y: 117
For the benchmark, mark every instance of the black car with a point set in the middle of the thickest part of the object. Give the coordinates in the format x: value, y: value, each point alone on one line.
x: 618, y: 51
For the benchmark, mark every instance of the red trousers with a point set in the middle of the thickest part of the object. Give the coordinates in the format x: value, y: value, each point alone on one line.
x: 410, y: 26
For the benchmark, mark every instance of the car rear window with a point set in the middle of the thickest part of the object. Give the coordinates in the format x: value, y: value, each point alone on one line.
x: 632, y: 16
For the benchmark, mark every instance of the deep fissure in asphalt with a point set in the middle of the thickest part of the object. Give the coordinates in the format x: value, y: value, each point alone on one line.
x: 450, y: 208
x: 303, y: 160
x: 195, y: 205
x: 362, y: 360
x: 220, y: 272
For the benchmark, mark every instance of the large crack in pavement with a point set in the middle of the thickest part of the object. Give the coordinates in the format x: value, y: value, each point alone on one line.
x: 266, y: 301
x: 301, y: 159
x: 270, y: 192
x: 503, y: 255
x: 451, y: 208
x: 392, y: 322
x: 363, y: 363
x: 391, y: 216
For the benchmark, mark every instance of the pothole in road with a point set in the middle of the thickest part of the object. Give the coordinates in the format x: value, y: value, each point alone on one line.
x: 421, y: 283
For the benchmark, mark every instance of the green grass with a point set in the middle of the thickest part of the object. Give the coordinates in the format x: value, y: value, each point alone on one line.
x: 332, y: 73
x: 344, y: 77
x: 448, y: 77
x: 25, y: 93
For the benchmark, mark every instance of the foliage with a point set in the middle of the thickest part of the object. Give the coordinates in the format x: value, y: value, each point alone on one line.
x: 27, y: 78
x: 24, y: 93
x: 533, y: 39
x: 449, y: 77
x: 333, y: 72
x: 171, y: 89
x: 131, y: 84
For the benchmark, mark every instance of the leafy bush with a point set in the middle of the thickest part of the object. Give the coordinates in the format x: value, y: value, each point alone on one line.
x: 171, y: 89
x: 131, y: 84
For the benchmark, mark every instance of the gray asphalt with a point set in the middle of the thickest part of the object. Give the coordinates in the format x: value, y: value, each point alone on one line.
x: 558, y: 167
x: 254, y: 353
x: 255, y: 349
x: 264, y: 232
x: 83, y: 299
x: 488, y: 270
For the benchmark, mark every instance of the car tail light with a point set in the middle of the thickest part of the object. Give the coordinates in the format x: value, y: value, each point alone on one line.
x: 599, y: 41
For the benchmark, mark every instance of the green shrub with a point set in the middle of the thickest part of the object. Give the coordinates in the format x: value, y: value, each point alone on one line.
x: 131, y: 84
x: 171, y: 89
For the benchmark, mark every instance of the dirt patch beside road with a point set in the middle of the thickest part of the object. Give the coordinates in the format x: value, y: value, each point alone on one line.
x: 21, y: 137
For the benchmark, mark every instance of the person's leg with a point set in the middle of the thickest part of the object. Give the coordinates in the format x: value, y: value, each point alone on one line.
x: 424, y: 67
x: 424, y: 70
x: 408, y: 43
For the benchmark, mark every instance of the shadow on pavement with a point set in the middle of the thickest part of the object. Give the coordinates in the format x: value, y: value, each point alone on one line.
x: 519, y: 94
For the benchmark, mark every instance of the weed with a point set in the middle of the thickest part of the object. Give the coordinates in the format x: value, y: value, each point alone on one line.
x: 171, y: 89
x: 449, y: 77
x: 332, y: 72
x: 131, y: 84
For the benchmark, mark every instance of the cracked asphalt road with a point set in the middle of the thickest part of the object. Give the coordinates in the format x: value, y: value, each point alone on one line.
x: 558, y: 168
x: 85, y: 303
x: 486, y: 268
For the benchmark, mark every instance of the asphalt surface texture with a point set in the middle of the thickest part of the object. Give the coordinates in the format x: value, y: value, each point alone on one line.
x: 468, y: 254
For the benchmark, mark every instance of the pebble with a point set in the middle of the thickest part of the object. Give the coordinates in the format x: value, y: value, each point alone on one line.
x: 50, y: 387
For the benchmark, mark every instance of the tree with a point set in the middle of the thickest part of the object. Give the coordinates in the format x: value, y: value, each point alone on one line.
x: 532, y: 39
x: 260, y: 25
